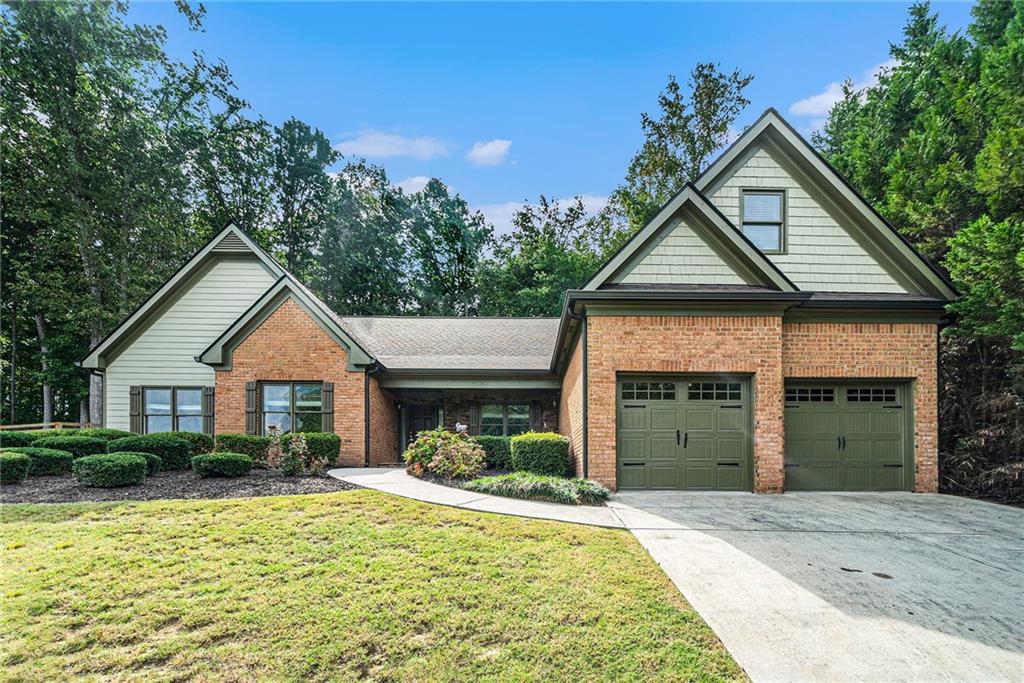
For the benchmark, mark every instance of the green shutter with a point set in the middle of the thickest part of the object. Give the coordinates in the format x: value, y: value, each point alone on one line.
x: 327, y: 406
x: 536, y: 416
x: 208, y: 410
x: 474, y: 419
x: 252, y: 422
x: 135, y: 409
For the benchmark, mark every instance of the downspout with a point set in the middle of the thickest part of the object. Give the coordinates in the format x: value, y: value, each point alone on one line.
x: 366, y: 418
x: 586, y: 426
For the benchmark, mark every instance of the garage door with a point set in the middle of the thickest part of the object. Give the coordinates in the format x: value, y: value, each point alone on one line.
x: 847, y: 437
x: 684, y: 433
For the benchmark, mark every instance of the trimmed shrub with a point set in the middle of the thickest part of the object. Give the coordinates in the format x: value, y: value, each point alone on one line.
x: 247, y: 444
x: 103, y: 433
x: 110, y: 469
x: 541, y: 453
x: 14, y: 467
x: 539, y: 487
x: 16, y: 439
x: 496, y: 450
x: 221, y: 464
x: 154, y: 463
x: 322, y: 446
x: 77, y: 446
x: 174, y: 453
x: 447, y: 454
x: 198, y: 442
x: 46, y: 461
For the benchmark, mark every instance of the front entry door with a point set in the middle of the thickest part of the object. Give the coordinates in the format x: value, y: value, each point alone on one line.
x: 421, y: 417
x: 684, y: 433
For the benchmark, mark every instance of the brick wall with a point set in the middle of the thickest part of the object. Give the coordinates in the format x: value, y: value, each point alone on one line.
x: 875, y: 350
x: 291, y: 346
x: 687, y: 344
x: 570, y: 405
x: 383, y: 426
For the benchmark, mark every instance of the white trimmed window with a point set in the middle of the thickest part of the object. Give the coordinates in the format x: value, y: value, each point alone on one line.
x: 762, y: 215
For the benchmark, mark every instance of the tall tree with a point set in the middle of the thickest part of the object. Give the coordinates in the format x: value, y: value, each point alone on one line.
x: 446, y: 242
x: 678, y: 142
x: 936, y: 146
x: 550, y: 250
x: 364, y: 266
x: 301, y: 157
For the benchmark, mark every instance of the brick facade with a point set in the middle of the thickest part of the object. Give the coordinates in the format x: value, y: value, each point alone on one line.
x: 383, y: 425
x: 876, y: 350
x: 749, y: 345
x: 290, y: 346
x: 570, y: 405
x: 767, y: 350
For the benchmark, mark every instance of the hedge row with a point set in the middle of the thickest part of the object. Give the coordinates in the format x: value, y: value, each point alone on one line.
x: 110, y: 469
x: 221, y: 464
x: 497, y: 450
x: 175, y: 453
x: 14, y: 467
x: 545, y: 453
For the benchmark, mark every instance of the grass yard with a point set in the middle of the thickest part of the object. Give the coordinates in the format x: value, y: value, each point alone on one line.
x: 342, y: 586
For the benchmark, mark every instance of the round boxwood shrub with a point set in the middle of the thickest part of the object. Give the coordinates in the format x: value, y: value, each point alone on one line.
x: 154, y: 463
x: 45, y: 461
x: 16, y: 439
x: 103, y: 433
x: 321, y: 445
x: 247, y: 444
x: 496, y: 450
x: 174, y: 452
x: 541, y: 453
x: 78, y: 446
x: 14, y: 467
x: 110, y: 469
x: 199, y: 442
x: 221, y: 464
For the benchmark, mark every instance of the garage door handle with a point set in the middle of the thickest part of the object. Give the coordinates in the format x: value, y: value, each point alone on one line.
x: 839, y: 443
x: 844, y: 443
x: 677, y: 437
x: 738, y: 405
x: 728, y: 464
x: 891, y: 465
x: 686, y: 439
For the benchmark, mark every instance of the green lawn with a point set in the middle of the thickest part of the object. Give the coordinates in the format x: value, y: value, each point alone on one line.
x: 335, y: 586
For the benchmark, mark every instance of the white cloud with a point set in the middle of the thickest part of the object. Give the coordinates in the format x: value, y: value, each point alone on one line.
x: 373, y: 144
x: 490, y: 153
x: 819, y: 105
x: 500, y: 215
x: 414, y: 183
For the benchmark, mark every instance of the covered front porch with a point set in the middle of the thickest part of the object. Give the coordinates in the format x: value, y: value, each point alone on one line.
x: 491, y: 411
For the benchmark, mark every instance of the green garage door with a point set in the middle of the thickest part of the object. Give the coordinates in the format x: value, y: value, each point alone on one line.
x: 684, y: 433
x: 847, y: 437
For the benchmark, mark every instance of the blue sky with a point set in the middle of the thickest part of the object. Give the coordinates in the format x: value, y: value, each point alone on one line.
x: 504, y: 102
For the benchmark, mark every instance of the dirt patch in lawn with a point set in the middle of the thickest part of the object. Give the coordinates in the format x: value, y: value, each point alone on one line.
x: 169, y: 485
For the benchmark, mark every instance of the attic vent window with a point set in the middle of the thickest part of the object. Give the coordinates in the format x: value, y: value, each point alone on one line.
x: 762, y: 219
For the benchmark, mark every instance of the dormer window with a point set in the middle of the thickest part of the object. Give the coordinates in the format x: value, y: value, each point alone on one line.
x: 762, y: 219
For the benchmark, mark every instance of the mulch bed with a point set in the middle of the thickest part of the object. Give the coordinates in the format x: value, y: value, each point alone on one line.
x: 180, y: 484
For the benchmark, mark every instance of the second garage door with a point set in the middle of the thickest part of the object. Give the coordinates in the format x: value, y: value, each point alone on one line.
x: 847, y: 437
x: 684, y: 433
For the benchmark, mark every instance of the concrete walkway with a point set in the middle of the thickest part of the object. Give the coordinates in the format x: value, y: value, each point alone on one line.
x: 396, y: 481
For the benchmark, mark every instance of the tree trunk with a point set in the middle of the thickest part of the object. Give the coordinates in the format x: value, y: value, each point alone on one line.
x: 14, y: 363
x: 96, y: 399
x: 45, y: 363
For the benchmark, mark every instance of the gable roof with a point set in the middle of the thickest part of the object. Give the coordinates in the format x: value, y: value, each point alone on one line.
x: 286, y: 288
x: 747, y: 258
x: 446, y: 344
x: 230, y: 240
x: 893, y: 246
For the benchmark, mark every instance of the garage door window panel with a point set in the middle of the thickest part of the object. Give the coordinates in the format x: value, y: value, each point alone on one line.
x: 714, y: 391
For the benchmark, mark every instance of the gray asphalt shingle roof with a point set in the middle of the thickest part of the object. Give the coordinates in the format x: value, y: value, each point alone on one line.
x: 410, y: 343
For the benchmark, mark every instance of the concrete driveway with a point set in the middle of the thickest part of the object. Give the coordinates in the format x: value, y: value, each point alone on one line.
x: 846, y: 587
